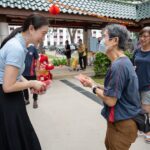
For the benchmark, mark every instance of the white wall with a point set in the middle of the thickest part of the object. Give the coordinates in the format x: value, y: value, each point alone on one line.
x: 60, y: 35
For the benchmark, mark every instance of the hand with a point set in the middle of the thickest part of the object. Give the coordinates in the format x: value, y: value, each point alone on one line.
x: 43, y: 89
x: 85, y: 80
x: 48, y: 83
x: 37, y: 85
x: 39, y: 92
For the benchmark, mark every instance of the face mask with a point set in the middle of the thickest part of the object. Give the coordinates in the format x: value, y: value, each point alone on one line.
x: 102, y: 47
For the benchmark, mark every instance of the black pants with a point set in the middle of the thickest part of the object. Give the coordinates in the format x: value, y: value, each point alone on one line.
x: 26, y: 92
x: 82, y: 62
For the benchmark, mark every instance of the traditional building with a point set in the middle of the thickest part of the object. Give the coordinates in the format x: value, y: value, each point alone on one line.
x: 85, y: 14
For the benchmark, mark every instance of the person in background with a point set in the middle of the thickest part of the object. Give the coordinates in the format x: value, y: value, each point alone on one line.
x: 67, y: 52
x: 141, y: 60
x: 82, y: 55
x: 91, y: 58
x: 30, y: 72
x: 119, y: 94
x: 16, y: 130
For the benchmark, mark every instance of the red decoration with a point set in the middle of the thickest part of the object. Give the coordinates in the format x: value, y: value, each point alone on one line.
x: 43, y: 73
x: 54, y: 10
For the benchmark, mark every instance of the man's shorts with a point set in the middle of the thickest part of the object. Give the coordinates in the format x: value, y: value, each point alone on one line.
x: 145, y: 97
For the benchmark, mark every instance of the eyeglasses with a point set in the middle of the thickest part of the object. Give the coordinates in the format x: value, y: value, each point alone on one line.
x: 144, y: 36
x: 108, y: 38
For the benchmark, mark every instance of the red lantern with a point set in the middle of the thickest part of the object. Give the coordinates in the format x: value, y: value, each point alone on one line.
x: 54, y: 10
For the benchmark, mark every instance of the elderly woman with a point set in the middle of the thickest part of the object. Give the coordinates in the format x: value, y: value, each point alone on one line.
x: 120, y: 92
x: 142, y: 63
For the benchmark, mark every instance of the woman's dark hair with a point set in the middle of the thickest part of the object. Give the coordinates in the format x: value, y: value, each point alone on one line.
x: 145, y: 29
x: 120, y: 31
x: 36, y: 20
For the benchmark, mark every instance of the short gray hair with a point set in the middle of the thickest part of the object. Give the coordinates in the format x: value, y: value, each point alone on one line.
x: 120, y: 31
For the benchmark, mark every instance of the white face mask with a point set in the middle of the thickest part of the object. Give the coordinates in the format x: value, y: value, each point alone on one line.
x: 102, y: 47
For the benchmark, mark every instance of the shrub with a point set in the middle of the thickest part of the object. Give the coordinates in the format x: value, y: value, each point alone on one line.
x: 129, y: 54
x: 102, y: 63
x: 59, y: 61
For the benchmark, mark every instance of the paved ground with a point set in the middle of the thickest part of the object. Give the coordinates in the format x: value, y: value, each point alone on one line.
x: 65, y: 72
x: 68, y: 120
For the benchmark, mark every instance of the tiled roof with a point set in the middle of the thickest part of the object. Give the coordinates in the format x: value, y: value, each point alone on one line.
x: 143, y: 11
x: 110, y: 9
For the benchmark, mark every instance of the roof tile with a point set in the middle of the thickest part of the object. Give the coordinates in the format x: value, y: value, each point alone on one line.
x: 102, y: 8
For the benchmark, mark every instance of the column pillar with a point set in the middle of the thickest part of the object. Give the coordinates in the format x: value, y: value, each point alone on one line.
x: 3, y: 31
x: 86, y: 38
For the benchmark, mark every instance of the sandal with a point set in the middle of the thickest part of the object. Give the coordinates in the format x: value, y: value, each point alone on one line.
x: 147, y: 139
x: 140, y: 133
x: 27, y: 102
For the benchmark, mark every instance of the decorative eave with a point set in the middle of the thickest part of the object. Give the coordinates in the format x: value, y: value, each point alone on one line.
x: 77, y: 13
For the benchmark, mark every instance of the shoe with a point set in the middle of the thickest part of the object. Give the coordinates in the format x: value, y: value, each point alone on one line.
x: 35, y: 104
x: 27, y: 102
x: 140, y: 133
x: 147, y: 139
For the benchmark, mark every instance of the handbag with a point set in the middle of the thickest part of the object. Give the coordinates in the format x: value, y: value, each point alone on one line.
x: 143, y: 122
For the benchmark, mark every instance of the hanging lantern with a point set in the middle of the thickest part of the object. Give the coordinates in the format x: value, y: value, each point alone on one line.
x: 54, y: 10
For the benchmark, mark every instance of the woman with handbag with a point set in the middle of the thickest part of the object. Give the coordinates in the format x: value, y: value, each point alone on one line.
x: 67, y: 52
x: 141, y: 60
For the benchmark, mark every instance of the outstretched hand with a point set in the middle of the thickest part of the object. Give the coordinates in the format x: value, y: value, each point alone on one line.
x: 85, y: 80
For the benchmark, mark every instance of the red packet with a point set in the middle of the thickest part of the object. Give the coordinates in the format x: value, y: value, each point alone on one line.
x: 47, y: 82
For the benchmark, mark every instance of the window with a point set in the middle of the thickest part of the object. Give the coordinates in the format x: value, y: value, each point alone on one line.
x: 55, y: 36
x: 60, y: 31
x: 55, y: 43
x: 55, y: 30
x: 79, y: 31
x: 61, y: 37
x: 48, y: 43
x: 78, y: 37
x: 11, y: 28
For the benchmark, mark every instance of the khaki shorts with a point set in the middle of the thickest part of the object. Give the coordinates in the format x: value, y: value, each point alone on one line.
x: 120, y: 135
x: 145, y: 97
